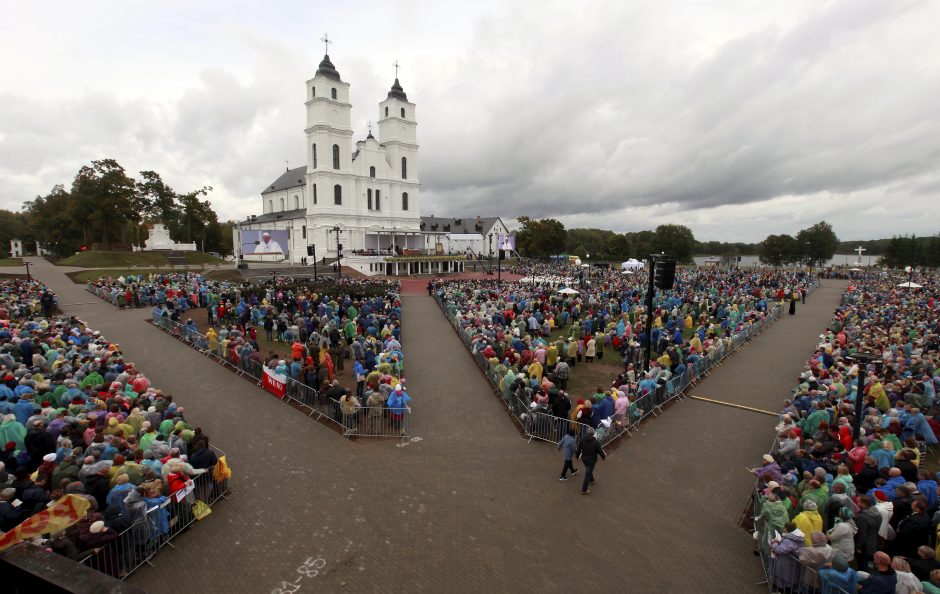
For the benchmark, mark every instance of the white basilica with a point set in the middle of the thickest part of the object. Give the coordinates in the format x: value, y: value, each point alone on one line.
x: 366, y: 200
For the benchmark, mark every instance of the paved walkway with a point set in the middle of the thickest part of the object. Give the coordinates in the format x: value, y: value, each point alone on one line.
x: 470, y: 507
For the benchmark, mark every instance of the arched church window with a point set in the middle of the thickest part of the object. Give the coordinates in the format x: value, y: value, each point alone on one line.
x: 404, y: 201
x: 335, y: 156
x: 282, y: 204
x: 313, y: 91
x: 402, y: 112
x: 371, y: 171
x: 378, y: 200
x: 296, y: 201
x: 404, y: 168
x: 386, y: 111
x: 333, y: 93
x: 314, y: 156
x: 337, y: 194
x: 270, y: 205
x: 369, y: 198
x: 314, y: 193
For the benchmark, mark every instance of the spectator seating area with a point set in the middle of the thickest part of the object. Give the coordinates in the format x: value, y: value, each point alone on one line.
x: 325, y: 327
x: 96, y: 464
x: 834, y: 510
x: 529, y: 338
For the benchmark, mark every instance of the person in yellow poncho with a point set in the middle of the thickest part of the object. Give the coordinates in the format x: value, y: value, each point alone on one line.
x: 551, y: 356
x: 880, y: 397
x: 809, y: 520
x: 535, y: 370
x: 213, y: 337
x: 695, y: 344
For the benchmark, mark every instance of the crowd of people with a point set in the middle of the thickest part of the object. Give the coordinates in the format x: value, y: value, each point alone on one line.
x: 78, y: 419
x: 534, y: 334
x: 178, y: 290
x: 325, y: 326
x: 840, y: 510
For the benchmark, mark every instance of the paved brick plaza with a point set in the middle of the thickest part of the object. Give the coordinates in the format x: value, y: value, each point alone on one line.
x: 470, y: 507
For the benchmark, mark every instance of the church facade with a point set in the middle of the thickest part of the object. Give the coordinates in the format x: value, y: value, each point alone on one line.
x: 345, y: 201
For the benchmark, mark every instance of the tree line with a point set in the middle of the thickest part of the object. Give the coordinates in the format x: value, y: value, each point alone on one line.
x: 548, y: 237
x: 107, y: 208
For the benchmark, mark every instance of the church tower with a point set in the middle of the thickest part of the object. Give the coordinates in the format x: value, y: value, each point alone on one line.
x: 397, y: 133
x: 329, y: 141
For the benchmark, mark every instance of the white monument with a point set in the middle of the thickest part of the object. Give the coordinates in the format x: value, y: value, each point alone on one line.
x: 160, y: 240
x: 16, y: 248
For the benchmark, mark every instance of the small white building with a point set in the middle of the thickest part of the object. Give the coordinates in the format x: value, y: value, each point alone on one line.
x: 474, y: 236
x: 16, y: 248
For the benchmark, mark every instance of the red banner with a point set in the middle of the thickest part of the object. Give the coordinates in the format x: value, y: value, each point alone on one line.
x: 274, y: 383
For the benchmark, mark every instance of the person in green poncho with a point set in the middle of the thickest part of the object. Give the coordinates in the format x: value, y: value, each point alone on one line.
x: 12, y: 430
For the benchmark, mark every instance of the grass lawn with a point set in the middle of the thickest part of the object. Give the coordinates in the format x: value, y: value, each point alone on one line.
x: 11, y: 261
x: 585, y: 378
x: 200, y: 258
x: 99, y: 259
x: 96, y: 259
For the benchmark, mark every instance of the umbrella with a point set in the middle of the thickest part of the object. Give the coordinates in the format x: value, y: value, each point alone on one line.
x: 855, y: 269
x: 568, y: 291
x: 910, y: 285
x: 626, y: 272
x: 585, y: 266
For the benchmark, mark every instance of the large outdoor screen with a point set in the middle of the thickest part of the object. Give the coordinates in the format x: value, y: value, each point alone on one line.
x: 263, y: 242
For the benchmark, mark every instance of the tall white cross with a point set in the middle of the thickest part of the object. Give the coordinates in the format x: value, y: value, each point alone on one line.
x: 326, y: 42
x: 395, y: 64
x: 859, y: 251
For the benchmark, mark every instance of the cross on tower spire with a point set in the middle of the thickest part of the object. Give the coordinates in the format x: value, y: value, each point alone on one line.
x: 326, y: 43
x: 370, y: 128
x: 395, y: 64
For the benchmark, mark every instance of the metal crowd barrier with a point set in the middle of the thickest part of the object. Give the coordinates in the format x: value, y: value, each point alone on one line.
x: 141, y: 541
x: 534, y: 426
x: 366, y: 422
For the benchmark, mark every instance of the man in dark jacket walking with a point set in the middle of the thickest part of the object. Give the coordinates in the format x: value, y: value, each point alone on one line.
x: 868, y: 522
x: 588, y: 451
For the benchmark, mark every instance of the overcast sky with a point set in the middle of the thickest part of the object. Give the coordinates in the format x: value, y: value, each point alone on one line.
x: 736, y: 118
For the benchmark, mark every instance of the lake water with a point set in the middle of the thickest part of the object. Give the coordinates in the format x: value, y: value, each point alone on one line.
x: 837, y: 260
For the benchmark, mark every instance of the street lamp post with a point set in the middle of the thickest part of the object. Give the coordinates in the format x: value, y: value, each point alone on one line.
x: 862, y: 360
x: 26, y: 263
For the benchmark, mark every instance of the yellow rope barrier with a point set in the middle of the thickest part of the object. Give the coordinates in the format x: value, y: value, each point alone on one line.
x: 733, y: 405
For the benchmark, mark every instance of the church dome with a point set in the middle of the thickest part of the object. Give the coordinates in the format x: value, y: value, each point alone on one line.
x: 327, y: 69
x: 397, y: 92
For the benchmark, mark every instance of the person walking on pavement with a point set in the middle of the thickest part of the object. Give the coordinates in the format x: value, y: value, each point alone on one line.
x: 588, y: 451
x: 568, y: 445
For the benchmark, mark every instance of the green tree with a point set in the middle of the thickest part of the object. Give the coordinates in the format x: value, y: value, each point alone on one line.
x: 104, y: 199
x: 540, y: 238
x: 618, y: 247
x: 195, y: 215
x: 779, y: 250
x: 53, y: 223
x: 677, y: 241
x: 817, y: 243
x: 641, y: 243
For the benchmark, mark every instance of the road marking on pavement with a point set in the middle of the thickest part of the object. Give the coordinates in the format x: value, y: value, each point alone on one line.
x: 733, y: 405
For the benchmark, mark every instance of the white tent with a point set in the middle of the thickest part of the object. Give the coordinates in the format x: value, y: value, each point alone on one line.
x: 910, y: 285
x: 632, y: 264
x: 626, y: 272
x: 855, y: 269
x: 568, y: 291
